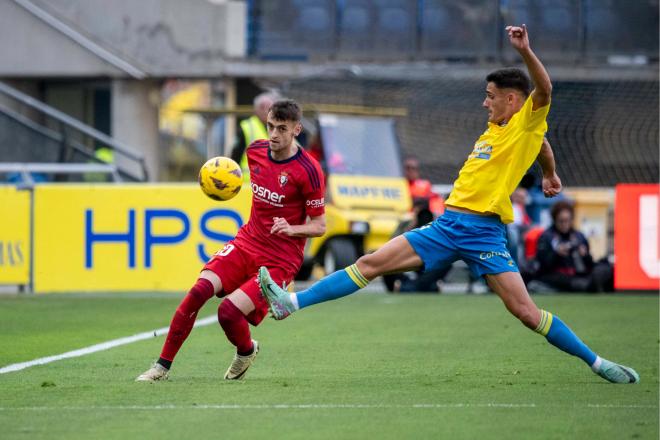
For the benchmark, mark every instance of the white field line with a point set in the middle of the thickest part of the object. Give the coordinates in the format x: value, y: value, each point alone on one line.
x: 99, y: 347
x: 316, y: 406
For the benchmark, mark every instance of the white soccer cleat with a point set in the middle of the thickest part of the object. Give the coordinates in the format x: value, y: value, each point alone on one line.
x: 240, y: 364
x: 616, y: 373
x: 157, y: 372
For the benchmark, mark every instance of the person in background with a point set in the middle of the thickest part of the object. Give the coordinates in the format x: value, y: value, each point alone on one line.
x: 421, y: 191
x: 515, y: 230
x: 426, y: 207
x: 252, y: 129
x: 563, y: 257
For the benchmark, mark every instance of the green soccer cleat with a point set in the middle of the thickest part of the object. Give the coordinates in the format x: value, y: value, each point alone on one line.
x: 279, y: 300
x: 616, y: 373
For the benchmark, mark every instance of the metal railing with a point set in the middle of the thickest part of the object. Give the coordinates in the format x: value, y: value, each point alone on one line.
x: 26, y: 170
x: 73, y: 138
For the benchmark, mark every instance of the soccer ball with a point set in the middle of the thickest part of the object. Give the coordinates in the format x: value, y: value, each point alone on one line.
x: 220, y: 178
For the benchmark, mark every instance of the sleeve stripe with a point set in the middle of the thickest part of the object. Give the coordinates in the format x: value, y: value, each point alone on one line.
x: 311, y: 171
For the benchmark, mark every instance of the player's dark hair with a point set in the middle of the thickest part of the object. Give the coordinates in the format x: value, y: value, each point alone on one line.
x: 561, y: 205
x: 511, y: 78
x: 286, y: 110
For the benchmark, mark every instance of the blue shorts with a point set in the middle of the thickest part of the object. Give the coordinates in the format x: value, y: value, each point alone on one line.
x: 478, y: 240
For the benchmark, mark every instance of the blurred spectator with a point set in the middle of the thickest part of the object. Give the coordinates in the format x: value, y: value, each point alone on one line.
x: 537, y: 204
x: 251, y: 129
x: 564, y: 261
x: 426, y: 206
x: 315, y: 149
x: 515, y: 231
x: 421, y: 191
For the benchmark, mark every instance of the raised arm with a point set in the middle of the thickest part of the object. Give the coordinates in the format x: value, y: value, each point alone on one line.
x: 542, y: 86
x: 551, y: 181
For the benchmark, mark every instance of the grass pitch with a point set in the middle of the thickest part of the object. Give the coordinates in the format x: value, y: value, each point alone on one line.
x: 369, y: 366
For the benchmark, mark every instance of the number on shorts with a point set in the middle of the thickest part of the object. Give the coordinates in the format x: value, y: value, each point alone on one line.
x: 225, y: 250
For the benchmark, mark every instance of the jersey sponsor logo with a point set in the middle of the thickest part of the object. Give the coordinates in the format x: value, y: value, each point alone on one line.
x: 316, y: 203
x: 491, y: 254
x: 266, y: 195
x: 283, y: 178
x: 482, y: 151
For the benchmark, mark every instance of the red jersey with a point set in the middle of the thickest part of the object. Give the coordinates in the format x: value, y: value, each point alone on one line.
x: 292, y: 189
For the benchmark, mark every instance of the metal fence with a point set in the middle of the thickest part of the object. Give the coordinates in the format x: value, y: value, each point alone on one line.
x: 568, y: 31
x: 33, y: 132
x: 602, y: 132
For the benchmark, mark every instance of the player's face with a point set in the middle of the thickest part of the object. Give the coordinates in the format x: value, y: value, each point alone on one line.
x: 281, y: 133
x: 500, y: 103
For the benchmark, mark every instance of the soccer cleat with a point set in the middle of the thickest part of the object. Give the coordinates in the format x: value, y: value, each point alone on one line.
x: 616, y: 373
x: 240, y: 364
x: 157, y: 372
x: 279, y: 300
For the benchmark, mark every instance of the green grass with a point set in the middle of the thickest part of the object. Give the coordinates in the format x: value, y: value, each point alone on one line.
x: 413, y: 366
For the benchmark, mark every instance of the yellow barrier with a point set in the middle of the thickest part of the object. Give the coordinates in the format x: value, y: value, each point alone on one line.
x: 14, y: 236
x: 128, y: 237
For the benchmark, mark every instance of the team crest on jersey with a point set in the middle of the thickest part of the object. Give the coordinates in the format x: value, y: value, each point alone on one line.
x: 283, y: 178
x: 256, y: 169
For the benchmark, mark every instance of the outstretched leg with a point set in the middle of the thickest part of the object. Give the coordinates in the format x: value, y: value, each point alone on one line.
x: 396, y: 255
x: 510, y: 287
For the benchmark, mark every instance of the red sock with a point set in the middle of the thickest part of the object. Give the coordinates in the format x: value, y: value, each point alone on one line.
x: 184, y: 317
x: 236, y: 327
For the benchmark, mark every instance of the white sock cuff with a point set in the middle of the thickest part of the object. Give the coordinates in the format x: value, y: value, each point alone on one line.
x: 294, y: 300
x: 596, y: 365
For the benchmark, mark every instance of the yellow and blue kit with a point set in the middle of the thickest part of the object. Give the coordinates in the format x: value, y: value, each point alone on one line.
x: 500, y: 158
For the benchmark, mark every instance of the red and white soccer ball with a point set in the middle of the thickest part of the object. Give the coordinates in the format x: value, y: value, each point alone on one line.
x: 220, y: 178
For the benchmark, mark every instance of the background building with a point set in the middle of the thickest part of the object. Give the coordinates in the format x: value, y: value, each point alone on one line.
x: 115, y: 71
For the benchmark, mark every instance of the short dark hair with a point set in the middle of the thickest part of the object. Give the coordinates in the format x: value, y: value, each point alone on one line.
x: 561, y: 205
x: 511, y: 78
x: 286, y: 110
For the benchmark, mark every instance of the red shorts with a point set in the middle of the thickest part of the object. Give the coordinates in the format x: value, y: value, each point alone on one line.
x: 238, y: 270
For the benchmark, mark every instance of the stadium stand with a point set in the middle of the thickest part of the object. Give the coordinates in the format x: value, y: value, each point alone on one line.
x: 566, y: 31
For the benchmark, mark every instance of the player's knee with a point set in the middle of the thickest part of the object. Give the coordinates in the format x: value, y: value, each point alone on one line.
x: 203, y: 290
x: 527, y: 315
x: 369, y: 266
x: 226, y: 312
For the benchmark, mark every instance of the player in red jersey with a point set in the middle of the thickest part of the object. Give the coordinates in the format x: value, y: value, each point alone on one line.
x: 287, y: 207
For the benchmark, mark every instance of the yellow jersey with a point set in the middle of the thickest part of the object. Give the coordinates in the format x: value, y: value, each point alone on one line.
x: 498, y: 161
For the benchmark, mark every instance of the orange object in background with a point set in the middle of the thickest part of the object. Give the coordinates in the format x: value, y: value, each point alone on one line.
x: 531, y: 240
x: 637, y: 237
x: 422, y: 189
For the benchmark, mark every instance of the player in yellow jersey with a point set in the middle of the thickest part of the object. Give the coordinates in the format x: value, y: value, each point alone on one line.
x: 473, y: 225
